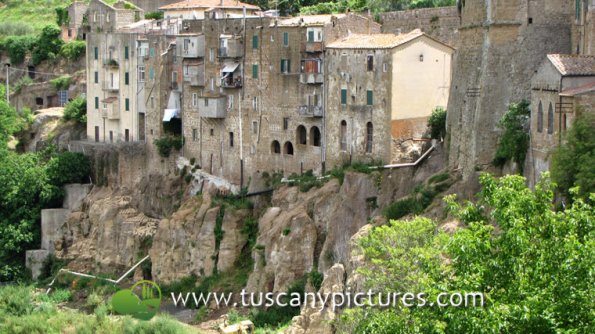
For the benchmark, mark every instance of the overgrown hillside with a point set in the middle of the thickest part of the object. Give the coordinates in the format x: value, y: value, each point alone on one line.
x: 24, y: 17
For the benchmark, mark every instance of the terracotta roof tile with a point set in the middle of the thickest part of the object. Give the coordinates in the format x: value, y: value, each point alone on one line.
x: 573, y: 64
x: 587, y: 88
x: 308, y: 20
x: 208, y: 4
x: 374, y: 41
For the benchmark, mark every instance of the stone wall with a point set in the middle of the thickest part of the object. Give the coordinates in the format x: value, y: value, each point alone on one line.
x: 152, y: 5
x: 441, y: 23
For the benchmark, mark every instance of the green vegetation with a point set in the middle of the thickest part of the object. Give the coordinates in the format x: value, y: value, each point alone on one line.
x: 48, y: 45
x: 514, y: 142
x: 526, y: 258
x: 276, y: 316
x: 375, y: 6
x: 166, y: 144
x: 23, y: 82
x: 17, y: 47
x: 573, y: 162
x: 35, y: 14
x: 315, y: 278
x: 24, y: 311
x: 73, y: 50
x: 61, y: 83
x: 437, y: 123
x: 76, y: 110
x: 154, y: 15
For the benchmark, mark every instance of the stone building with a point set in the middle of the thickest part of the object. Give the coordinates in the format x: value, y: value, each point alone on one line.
x: 381, y: 88
x: 563, y: 86
x: 501, y: 46
x: 76, y: 25
x: 200, y: 9
x: 583, y: 33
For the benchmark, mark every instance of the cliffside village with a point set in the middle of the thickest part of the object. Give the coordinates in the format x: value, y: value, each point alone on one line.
x: 250, y: 91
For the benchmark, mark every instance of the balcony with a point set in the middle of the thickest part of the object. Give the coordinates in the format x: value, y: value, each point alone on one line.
x: 310, y: 111
x: 111, y: 86
x: 231, y: 47
x: 190, y: 46
x: 111, y: 62
x: 311, y: 78
x: 110, y: 113
x: 231, y: 82
x: 313, y: 47
x: 212, y: 107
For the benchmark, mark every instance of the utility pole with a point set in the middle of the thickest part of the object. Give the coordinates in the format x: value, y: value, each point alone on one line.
x: 7, y: 83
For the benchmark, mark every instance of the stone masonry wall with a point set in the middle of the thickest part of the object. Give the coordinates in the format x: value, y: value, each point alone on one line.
x: 441, y: 23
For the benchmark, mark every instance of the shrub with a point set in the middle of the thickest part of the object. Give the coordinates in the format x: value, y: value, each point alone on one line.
x: 17, y: 47
x: 62, y: 83
x: 48, y: 44
x: 76, y: 110
x: 15, y: 29
x: 286, y: 231
x: 437, y: 123
x: 62, y: 16
x: 402, y: 208
x: 514, y: 142
x: 166, y: 144
x: 73, y: 50
x: 23, y: 82
x: 316, y: 279
x: 16, y: 300
x: 154, y: 16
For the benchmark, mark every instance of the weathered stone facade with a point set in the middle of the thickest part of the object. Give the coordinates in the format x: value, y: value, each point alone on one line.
x: 441, y: 23
x: 502, y: 44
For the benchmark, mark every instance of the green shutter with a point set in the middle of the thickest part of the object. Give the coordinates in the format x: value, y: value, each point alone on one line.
x: 96, y: 102
x: 96, y: 53
x: 255, y: 71
x: 152, y: 52
x: 127, y: 103
x: 96, y: 77
x: 285, y: 39
x: 255, y: 42
x: 310, y: 36
x: 370, y: 97
x: 578, y: 9
x: 343, y: 96
x: 151, y: 74
x: 126, y: 78
x: 125, y: 52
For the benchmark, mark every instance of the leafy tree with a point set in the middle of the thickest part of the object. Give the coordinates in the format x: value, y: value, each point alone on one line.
x: 534, y: 266
x: 514, y: 142
x: 154, y: 15
x: 73, y: 50
x: 48, y: 44
x: 573, y: 161
x: 17, y: 47
x: 76, y: 110
x: 437, y: 123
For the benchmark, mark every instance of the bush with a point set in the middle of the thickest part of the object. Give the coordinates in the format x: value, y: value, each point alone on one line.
x: 48, y: 45
x: 62, y: 83
x: 73, y: 50
x: 316, y: 279
x: 23, y: 82
x: 437, y: 123
x: 17, y: 47
x: 76, y: 110
x: 16, y: 300
x: 514, y: 142
x: 165, y: 145
x: 15, y: 29
x: 154, y: 16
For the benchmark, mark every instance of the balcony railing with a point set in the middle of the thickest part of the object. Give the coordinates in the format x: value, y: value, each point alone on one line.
x: 310, y: 111
x: 111, y: 86
x: 313, y: 46
x: 311, y: 78
x: 233, y: 83
x: 110, y: 113
x: 111, y: 62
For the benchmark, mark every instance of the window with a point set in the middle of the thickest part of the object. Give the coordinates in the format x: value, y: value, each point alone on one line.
x: 288, y: 148
x: 285, y: 39
x: 186, y: 44
x: 97, y: 134
x: 212, y: 132
x: 125, y: 52
x: 255, y: 71
x: 370, y: 63
x: 151, y: 74
x: 206, y: 102
x: 275, y: 147
x: 285, y: 65
x: 94, y: 16
x: 255, y: 103
x: 152, y: 52
x: 564, y: 122
x: 540, y: 117
x: 550, y: 120
x: 127, y: 104
x: 127, y: 135
x: 231, y: 139
x: 255, y: 42
x: 186, y: 70
x: 230, y: 102
x: 126, y: 78
x: 141, y: 74
x: 311, y: 36
x: 343, y: 136
x: 301, y: 135
x: 96, y: 51
x: 285, y: 123
x: 385, y: 67
x: 111, y: 136
x: 369, y: 137
x: 194, y: 99
x: 254, y: 127
x: 107, y: 18
x: 96, y: 77
x: 315, y: 136
x: 211, y: 55
x: 577, y: 9
x: 96, y: 102
x: 369, y: 97
x: 194, y: 135
x: 343, y: 96
x: 152, y: 102
x: 174, y: 76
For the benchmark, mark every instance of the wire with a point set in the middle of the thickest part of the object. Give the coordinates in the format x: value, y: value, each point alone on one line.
x: 28, y: 71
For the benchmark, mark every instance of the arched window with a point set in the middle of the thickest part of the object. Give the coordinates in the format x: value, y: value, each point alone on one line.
x: 540, y: 117
x: 288, y: 148
x: 564, y: 122
x: 301, y: 135
x: 343, y: 136
x: 550, y: 119
x: 314, y: 136
x: 275, y: 147
x: 369, y: 137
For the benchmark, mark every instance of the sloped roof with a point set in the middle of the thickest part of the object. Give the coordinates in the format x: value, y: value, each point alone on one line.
x: 377, y: 41
x: 191, y: 4
x: 587, y: 88
x: 308, y: 20
x: 570, y: 65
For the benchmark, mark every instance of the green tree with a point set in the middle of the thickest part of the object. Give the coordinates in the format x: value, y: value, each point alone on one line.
x: 48, y: 44
x: 76, y: 110
x: 437, y: 123
x: 573, y: 162
x: 73, y: 50
x: 533, y: 264
x: 514, y: 143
